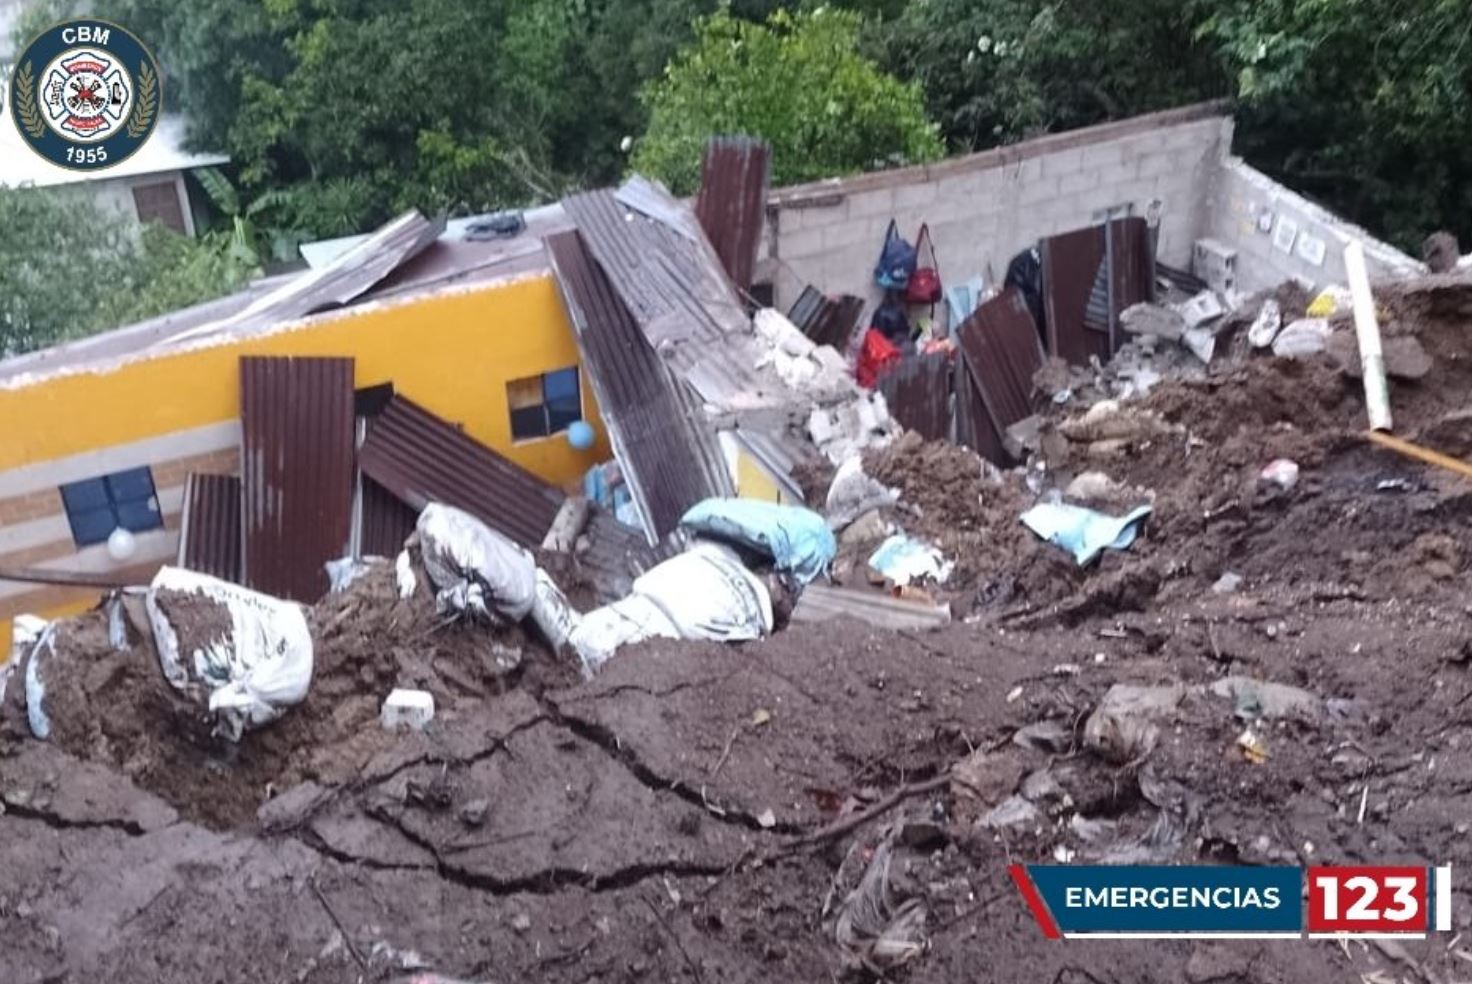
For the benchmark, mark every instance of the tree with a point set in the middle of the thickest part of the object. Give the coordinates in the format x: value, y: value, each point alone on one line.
x: 1364, y: 105
x: 796, y: 81
x: 997, y: 71
x: 68, y: 270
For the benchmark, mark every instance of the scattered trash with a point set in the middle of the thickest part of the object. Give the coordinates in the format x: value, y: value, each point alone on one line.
x: 1330, y: 301
x: 1014, y: 811
x: 476, y: 570
x: 852, y: 493
x: 1254, y: 699
x: 404, y: 576
x: 1394, y: 485
x: 766, y: 819
x: 1266, y: 325
x: 36, y: 715
x: 1302, y: 338
x: 407, y: 709
x: 1084, y: 532
x: 1227, y: 583
x: 880, y: 930
x: 904, y: 560
x: 1122, y: 728
x: 760, y: 717
x: 245, y: 655
x: 797, y: 539
x: 1281, y: 472
x: 1053, y: 736
x: 1254, y: 749
x: 341, y: 573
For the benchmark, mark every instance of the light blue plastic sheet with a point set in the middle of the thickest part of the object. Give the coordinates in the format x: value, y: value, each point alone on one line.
x: 1084, y: 532
x: 797, y: 539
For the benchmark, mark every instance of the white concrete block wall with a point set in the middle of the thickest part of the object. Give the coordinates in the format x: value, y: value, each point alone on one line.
x: 1242, y: 195
x: 984, y: 209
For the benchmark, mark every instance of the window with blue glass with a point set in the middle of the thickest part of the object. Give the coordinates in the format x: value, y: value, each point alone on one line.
x: 97, y: 506
x: 544, y: 405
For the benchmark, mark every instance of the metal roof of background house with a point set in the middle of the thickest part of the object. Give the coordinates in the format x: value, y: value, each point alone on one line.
x: 20, y: 166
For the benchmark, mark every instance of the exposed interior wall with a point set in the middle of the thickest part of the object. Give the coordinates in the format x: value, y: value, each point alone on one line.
x: 985, y: 208
x: 1279, y: 234
x: 452, y: 353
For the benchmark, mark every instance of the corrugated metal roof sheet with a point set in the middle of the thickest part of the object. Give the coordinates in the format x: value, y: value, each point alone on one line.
x: 345, y: 278
x: 616, y: 554
x: 1000, y: 345
x: 297, y: 436
x: 1076, y: 290
x: 664, y: 443
x: 422, y: 459
x: 673, y: 284
x: 732, y: 203
x: 209, y: 532
x: 826, y: 320
x: 387, y: 521
x: 821, y: 602
x: 918, y: 391
x: 974, y: 427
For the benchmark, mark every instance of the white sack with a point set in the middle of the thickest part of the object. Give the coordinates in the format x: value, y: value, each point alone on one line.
x: 474, y: 568
x: 249, y: 674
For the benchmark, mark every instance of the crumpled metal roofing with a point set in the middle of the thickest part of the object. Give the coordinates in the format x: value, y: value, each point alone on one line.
x: 732, y: 204
x: 670, y: 278
x: 664, y: 443
x: 422, y: 459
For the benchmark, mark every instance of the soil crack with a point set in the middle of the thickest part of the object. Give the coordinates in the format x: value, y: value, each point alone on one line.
x: 57, y: 822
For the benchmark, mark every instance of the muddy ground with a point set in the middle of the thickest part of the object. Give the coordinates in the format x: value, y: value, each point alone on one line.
x: 702, y: 813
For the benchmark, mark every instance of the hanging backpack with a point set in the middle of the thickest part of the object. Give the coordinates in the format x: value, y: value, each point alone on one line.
x: 924, y: 286
x: 896, y: 260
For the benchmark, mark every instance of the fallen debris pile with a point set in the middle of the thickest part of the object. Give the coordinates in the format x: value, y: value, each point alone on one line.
x: 1273, y: 670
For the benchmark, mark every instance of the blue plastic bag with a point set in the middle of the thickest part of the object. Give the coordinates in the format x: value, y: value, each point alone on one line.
x: 798, y: 540
x: 1083, y: 532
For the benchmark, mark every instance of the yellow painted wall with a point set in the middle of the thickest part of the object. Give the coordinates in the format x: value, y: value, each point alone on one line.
x: 451, y: 353
x: 753, y: 481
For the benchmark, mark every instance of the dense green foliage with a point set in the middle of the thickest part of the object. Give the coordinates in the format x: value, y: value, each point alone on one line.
x: 338, y: 113
x: 68, y: 270
x: 796, y: 81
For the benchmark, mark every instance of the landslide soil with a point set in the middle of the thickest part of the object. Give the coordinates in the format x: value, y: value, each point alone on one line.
x: 697, y: 811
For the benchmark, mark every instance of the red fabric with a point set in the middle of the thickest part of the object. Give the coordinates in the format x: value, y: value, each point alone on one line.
x: 924, y: 286
x: 875, y: 356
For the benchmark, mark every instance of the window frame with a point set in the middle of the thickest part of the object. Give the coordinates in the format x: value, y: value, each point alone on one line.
x: 552, y: 421
x: 83, y: 507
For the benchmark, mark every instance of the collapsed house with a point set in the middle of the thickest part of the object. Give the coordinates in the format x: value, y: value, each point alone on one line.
x: 310, y: 417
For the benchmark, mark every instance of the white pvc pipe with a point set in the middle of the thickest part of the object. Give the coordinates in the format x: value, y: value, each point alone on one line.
x: 1367, y: 329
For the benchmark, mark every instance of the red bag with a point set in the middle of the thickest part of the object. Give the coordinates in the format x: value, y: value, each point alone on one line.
x: 924, y: 286
x: 876, y: 356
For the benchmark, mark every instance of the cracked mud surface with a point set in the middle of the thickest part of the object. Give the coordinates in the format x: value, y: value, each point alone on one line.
x: 696, y: 813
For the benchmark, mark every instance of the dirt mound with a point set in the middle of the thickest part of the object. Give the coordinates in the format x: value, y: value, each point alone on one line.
x: 115, y: 707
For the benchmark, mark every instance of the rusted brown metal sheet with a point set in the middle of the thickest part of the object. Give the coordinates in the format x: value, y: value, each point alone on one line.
x: 1070, y: 266
x: 209, y: 532
x: 732, y: 203
x: 1000, y: 346
x: 297, y: 471
x: 420, y: 459
x: 1080, y: 302
x: 387, y: 521
x: 918, y: 392
x: 826, y: 320
x: 666, y: 448
x: 974, y: 427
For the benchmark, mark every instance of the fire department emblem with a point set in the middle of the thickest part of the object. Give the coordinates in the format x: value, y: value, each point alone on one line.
x: 85, y: 95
